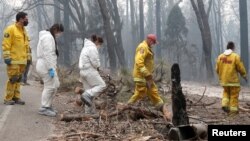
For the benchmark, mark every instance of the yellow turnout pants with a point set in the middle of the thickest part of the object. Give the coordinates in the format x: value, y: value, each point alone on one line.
x: 230, y: 98
x: 14, y: 73
x: 141, y: 91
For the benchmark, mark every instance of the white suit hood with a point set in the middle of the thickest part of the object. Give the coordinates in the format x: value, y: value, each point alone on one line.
x: 46, y: 52
x: 89, y: 58
x: 228, y: 52
x: 42, y: 33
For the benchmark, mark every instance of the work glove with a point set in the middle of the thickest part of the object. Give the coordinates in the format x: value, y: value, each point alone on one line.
x: 28, y: 62
x: 7, y: 61
x: 149, y: 84
x: 149, y: 81
x: 51, y: 72
x: 149, y: 77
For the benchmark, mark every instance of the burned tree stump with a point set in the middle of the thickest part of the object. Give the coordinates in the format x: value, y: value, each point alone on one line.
x: 180, y: 116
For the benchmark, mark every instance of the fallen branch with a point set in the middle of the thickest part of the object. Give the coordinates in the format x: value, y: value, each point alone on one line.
x: 136, y: 138
x: 81, y: 134
x: 203, y: 104
x: 244, y: 109
x: 77, y: 136
x: 207, y: 120
x: 201, y: 96
x: 78, y: 117
x: 167, y: 115
x: 214, y: 121
x: 248, y: 104
x: 139, y: 110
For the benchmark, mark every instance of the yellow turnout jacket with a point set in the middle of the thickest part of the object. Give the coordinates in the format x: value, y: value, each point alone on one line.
x: 15, y: 44
x: 144, y: 62
x: 228, y: 66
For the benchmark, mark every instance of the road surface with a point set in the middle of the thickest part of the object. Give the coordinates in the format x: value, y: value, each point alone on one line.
x: 22, y: 122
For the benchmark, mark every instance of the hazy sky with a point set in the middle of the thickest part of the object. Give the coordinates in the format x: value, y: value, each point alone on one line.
x: 14, y: 3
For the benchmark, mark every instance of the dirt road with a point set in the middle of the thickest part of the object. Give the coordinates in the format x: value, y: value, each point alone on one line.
x: 22, y: 122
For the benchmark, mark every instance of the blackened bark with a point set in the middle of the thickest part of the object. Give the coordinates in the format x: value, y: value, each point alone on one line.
x: 180, y: 116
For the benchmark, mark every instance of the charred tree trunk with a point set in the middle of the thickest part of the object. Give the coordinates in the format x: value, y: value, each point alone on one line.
x: 118, y: 28
x: 64, y: 51
x: 39, y: 18
x: 133, y: 24
x: 150, y: 17
x: 202, y: 19
x: 220, y: 26
x: 141, y: 20
x: 180, y: 116
x: 57, y: 15
x: 108, y: 32
x: 158, y: 27
x: 244, y: 33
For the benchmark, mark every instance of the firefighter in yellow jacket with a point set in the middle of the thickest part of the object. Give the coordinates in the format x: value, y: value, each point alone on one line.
x: 15, y: 47
x: 228, y: 66
x: 143, y: 71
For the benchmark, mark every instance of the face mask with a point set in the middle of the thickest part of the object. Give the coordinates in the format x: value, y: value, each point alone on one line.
x: 58, y: 35
x: 98, y: 46
x: 25, y: 23
x: 153, y: 46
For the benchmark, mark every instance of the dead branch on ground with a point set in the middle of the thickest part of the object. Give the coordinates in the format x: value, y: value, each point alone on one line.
x: 207, y: 121
x: 203, y: 104
x: 84, y: 134
x: 201, y: 96
x: 242, y: 109
x: 78, y: 117
x: 121, y: 108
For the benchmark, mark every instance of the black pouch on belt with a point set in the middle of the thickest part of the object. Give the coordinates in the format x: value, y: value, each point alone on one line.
x: 15, y: 79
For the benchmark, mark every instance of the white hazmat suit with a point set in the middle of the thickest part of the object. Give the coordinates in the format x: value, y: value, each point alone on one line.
x: 47, y: 59
x: 89, y: 62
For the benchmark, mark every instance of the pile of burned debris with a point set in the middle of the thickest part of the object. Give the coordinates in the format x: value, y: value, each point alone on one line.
x: 117, y: 120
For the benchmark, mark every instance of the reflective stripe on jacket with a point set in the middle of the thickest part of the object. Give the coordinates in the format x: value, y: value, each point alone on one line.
x: 15, y: 44
x: 144, y: 62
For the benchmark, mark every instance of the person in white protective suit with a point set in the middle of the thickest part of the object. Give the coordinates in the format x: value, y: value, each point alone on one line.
x: 89, y: 64
x: 46, y: 66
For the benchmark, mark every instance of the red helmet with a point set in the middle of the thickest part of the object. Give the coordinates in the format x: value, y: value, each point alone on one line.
x: 152, y: 37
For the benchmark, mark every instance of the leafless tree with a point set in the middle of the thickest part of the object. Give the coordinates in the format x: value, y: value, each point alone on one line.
x: 158, y: 26
x: 141, y: 19
x: 244, y: 33
x: 203, y: 22
x: 108, y: 32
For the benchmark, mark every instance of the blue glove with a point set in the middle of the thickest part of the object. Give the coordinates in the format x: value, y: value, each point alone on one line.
x: 51, y: 72
x: 7, y: 61
x: 245, y: 78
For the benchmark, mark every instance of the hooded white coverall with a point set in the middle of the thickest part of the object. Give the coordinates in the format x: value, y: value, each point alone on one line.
x: 88, y: 63
x: 47, y: 59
